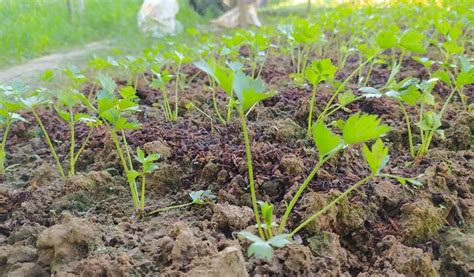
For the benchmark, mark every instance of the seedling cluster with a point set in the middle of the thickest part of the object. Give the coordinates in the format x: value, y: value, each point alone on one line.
x: 320, y: 52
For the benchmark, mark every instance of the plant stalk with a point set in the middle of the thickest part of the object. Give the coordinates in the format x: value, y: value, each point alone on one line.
x: 330, y: 205
x: 72, y: 162
x: 170, y: 208
x: 250, y: 173
x: 300, y: 191
x: 311, y: 107
x: 410, y: 136
x: 50, y: 144
x: 2, y: 146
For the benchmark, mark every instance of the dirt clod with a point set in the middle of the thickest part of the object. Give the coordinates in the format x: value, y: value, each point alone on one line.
x: 228, y: 262
x: 159, y: 147
x: 409, y: 260
x: 343, y: 218
x: 420, y: 220
x: 70, y: 240
x: 237, y: 218
x: 292, y: 165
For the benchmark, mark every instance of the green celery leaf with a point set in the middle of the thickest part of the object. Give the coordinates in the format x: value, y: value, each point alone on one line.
x: 362, y: 128
x: 377, y: 158
x: 249, y: 91
x: 326, y: 141
x: 412, y: 41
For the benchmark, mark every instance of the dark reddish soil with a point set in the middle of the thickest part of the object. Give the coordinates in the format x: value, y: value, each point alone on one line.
x: 85, y: 226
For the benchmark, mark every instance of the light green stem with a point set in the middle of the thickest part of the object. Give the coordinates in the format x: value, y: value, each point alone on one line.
x: 311, y: 107
x: 170, y: 208
x: 214, y: 101
x: 176, y: 92
x: 250, y: 172
x: 50, y: 144
x: 340, y: 88
x: 369, y: 73
x: 330, y: 205
x: 3, y: 144
x: 127, y: 150
x: 133, y: 186
x: 83, y: 146
x: 407, y: 121
x: 72, y: 162
x: 230, y: 108
x: 142, y: 198
x: 300, y: 191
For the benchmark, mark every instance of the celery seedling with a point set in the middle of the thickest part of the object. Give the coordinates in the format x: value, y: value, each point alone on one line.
x: 201, y: 197
x: 223, y: 76
x: 113, y: 111
x: 357, y: 129
x: 148, y: 166
x: 249, y: 92
x: 9, y: 106
x: 31, y: 103
x: 66, y: 105
x: 319, y: 71
x: 160, y: 81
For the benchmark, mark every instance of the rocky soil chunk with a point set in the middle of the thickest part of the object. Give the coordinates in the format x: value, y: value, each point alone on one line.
x: 237, y: 218
x: 70, y: 240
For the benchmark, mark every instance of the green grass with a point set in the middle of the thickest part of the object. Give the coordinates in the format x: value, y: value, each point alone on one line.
x: 31, y: 28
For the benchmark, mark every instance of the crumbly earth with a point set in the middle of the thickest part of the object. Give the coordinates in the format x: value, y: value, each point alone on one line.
x: 85, y: 227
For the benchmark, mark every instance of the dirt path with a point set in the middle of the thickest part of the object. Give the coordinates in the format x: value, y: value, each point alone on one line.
x: 29, y: 71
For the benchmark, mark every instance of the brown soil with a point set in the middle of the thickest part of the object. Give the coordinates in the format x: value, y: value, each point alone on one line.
x: 84, y: 226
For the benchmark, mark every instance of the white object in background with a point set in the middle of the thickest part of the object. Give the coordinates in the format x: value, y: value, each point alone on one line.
x: 243, y: 15
x: 158, y: 17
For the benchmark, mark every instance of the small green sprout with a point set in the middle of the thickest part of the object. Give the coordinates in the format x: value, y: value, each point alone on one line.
x: 222, y: 76
x: 66, y: 106
x: 262, y: 249
x: 113, y: 111
x: 32, y: 103
x: 201, y: 197
x: 160, y: 81
x: 319, y: 71
x: 10, y: 104
x: 249, y: 92
x: 148, y: 167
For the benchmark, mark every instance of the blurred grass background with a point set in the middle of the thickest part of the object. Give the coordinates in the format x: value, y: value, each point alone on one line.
x: 31, y: 28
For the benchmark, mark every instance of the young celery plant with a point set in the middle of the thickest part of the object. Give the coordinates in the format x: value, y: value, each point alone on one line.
x: 249, y: 92
x: 66, y: 106
x: 412, y: 92
x: 220, y: 75
x: 9, y: 106
x: 408, y: 41
x: 179, y: 58
x: 260, y: 46
x: 377, y: 158
x: 32, y: 103
x: 160, y: 81
x: 302, y: 37
x: 201, y: 197
x: 224, y: 77
x: 357, y: 129
x: 134, y: 66
x: 367, y: 52
x: 148, y: 166
x: 113, y: 111
x: 102, y: 65
x: 319, y: 71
